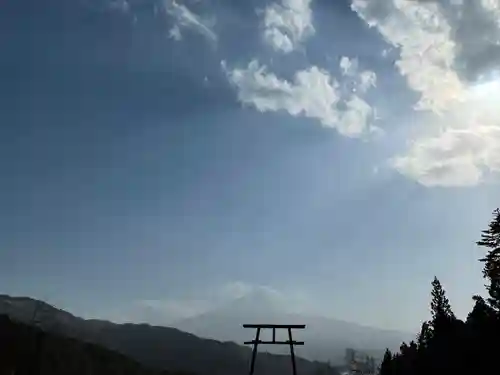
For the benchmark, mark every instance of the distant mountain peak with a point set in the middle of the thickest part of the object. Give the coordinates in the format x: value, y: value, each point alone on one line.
x: 260, y: 299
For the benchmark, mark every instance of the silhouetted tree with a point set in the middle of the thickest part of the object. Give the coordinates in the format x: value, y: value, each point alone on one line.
x: 447, y: 345
x: 490, y: 238
x: 440, y: 305
x: 386, y: 365
x: 424, y: 336
x: 481, y: 314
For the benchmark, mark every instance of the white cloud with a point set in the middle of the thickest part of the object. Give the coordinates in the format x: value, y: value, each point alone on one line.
x: 234, y: 290
x: 313, y: 93
x: 367, y: 80
x: 356, y: 80
x: 460, y: 146
x: 452, y: 158
x: 175, y: 33
x: 287, y: 25
x: 445, y: 47
x: 426, y: 49
x: 187, y: 19
x: 348, y: 66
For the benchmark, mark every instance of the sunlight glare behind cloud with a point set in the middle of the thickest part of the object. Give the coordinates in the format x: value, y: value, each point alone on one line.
x: 439, y: 51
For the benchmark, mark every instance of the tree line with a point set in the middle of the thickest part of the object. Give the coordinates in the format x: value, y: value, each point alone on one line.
x: 448, y: 345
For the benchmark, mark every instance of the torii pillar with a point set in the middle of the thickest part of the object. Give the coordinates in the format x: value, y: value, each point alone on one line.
x: 290, y: 342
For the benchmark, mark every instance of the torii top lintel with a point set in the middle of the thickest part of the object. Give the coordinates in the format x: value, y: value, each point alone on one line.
x: 292, y: 326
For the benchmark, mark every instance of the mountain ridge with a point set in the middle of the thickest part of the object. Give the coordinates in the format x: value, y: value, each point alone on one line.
x: 155, y: 346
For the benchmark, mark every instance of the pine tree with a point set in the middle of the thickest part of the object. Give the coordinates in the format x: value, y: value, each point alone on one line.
x: 481, y: 313
x: 424, y: 336
x: 482, y: 337
x: 440, y: 305
x: 424, y: 340
x: 490, y: 238
x: 386, y: 365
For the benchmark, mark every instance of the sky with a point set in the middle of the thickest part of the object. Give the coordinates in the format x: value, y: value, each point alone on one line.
x: 163, y: 157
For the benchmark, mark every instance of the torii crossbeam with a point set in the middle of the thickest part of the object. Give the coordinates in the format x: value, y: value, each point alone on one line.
x: 290, y: 342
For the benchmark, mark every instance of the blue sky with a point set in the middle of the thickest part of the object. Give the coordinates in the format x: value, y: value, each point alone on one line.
x: 175, y: 155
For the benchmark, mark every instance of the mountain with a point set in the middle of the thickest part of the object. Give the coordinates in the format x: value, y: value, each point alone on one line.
x: 153, y: 346
x: 326, y: 339
x: 27, y: 350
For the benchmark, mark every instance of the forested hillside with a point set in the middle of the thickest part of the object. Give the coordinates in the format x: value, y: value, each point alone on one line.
x: 27, y: 350
x: 448, y: 345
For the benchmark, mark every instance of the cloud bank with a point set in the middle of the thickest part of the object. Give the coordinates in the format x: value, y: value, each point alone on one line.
x: 448, y: 51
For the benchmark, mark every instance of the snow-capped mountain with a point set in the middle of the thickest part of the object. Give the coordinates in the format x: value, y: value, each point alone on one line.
x: 325, y: 338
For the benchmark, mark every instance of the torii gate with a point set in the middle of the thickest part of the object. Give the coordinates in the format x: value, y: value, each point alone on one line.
x: 290, y: 342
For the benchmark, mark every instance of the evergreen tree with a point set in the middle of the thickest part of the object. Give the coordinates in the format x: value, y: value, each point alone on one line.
x: 440, y: 305
x: 386, y: 365
x: 481, y: 336
x: 490, y: 238
x: 481, y: 313
x: 424, y: 336
x: 447, y: 345
x: 442, y: 315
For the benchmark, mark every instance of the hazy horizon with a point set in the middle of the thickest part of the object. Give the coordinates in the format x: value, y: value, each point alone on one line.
x: 161, y: 158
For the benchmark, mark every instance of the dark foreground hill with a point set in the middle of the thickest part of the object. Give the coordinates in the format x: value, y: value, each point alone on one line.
x: 154, y: 346
x: 27, y: 350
